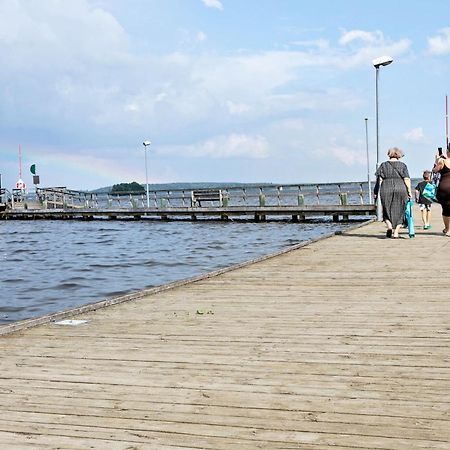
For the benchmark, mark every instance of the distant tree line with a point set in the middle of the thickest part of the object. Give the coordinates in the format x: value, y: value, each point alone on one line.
x: 127, y: 187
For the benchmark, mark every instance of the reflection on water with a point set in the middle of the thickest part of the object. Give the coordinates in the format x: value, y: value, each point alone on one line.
x: 48, y: 266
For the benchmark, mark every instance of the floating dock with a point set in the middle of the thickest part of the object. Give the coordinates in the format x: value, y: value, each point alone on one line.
x: 338, y: 344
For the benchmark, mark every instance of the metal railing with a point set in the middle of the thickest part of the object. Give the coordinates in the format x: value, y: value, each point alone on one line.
x: 346, y: 193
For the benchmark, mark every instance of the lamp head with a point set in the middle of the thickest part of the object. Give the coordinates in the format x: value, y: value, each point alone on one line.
x: 382, y: 61
x: 146, y: 143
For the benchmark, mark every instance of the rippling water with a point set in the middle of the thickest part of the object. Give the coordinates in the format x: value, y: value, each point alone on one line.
x: 48, y: 266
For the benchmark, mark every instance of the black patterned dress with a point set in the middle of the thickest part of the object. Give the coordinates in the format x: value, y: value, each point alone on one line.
x: 393, y: 192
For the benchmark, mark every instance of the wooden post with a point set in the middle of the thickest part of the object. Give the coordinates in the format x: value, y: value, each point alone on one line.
x: 300, y: 202
x: 262, y: 202
x: 344, y: 201
x: 262, y: 198
x: 223, y: 202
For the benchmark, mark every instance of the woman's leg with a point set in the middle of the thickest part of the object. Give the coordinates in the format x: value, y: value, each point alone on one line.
x: 388, y: 224
x: 446, y: 220
x: 396, y: 231
x: 428, y: 217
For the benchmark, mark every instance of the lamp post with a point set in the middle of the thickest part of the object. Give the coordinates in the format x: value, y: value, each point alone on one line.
x: 146, y: 144
x: 377, y: 63
x: 368, y: 163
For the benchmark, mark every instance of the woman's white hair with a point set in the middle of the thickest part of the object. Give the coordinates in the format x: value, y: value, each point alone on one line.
x: 395, y: 152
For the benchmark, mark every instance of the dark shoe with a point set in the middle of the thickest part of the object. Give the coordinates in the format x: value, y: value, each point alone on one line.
x: 389, y: 233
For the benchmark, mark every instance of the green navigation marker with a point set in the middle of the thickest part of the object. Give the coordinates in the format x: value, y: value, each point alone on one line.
x: 33, y: 169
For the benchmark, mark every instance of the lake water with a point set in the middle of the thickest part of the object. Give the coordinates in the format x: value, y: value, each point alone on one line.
x: 49, y: 266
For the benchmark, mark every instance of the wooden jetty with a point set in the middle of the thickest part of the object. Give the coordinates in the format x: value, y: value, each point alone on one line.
x: 339, y: 344
x: 259, y: 202
x: 338, y: 212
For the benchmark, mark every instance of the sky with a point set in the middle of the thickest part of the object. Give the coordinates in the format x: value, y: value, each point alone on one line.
x: 226, y: 90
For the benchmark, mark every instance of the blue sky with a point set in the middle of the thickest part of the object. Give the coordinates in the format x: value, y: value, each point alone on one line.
x: 226, y: 90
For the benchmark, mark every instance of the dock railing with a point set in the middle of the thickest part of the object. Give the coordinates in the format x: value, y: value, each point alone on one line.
x: 346, y: 193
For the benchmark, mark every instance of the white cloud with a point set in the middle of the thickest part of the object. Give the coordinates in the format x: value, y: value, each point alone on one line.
x: 201, y: 37
x: 440, y: 45
x: 213, y: 4
x: 371, y: 37
x: 366, y: 45
x: 237, y: 108
x: 231, y: 146
x: 321, y: 44
x: 67, y: 33
x: 346, y: 155
x: 132, y: 107
x: 415, y: 135
x: 338, y: 145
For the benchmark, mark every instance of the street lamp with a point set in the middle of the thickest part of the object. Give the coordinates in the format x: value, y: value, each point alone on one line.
x: 377, y: 63
x: 368, y: 163
x: 146, y: 144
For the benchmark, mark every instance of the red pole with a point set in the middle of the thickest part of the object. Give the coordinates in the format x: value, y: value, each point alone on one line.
x: 20, y: 162
x: 446, y: 119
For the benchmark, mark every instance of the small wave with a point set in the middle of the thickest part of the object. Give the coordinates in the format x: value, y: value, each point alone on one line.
x: 10, y: 309
x: 109, y: 266
x: 66, y: 286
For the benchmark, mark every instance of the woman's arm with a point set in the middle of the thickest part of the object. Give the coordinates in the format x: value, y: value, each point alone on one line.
x: 377, y: 187
x: 417, y: 192
x: 439, y: 163
x: 408, y: 186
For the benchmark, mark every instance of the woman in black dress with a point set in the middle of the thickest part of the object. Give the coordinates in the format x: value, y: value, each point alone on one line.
x: 443, y: 191
x: 394, y: 187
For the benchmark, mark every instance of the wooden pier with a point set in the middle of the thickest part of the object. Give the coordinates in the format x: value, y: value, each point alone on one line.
x: 337, y: 212
x: 339, y: 344
x: 260, y: 202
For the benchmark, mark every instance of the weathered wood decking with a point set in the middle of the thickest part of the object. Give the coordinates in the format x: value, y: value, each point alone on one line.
x: 343, y: 344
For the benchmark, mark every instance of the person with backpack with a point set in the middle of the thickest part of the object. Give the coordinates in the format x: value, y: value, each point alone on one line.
x: 424, y: 203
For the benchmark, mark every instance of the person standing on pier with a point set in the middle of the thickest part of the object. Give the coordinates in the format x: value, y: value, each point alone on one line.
x: 442, y: 167
x: 394, y: 187
x: 424, y: 203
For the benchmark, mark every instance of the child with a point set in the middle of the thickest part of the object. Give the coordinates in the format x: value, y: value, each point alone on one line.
x: 424, y: 203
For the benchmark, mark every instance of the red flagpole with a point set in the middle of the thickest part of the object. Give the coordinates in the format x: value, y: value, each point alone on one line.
x: 20, y: 162
x: 446, y: 119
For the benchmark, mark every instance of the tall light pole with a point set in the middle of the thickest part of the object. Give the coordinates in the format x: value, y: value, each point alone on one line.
x: 377, y: 63
x: 368, y: 163
x: 146, y: 144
